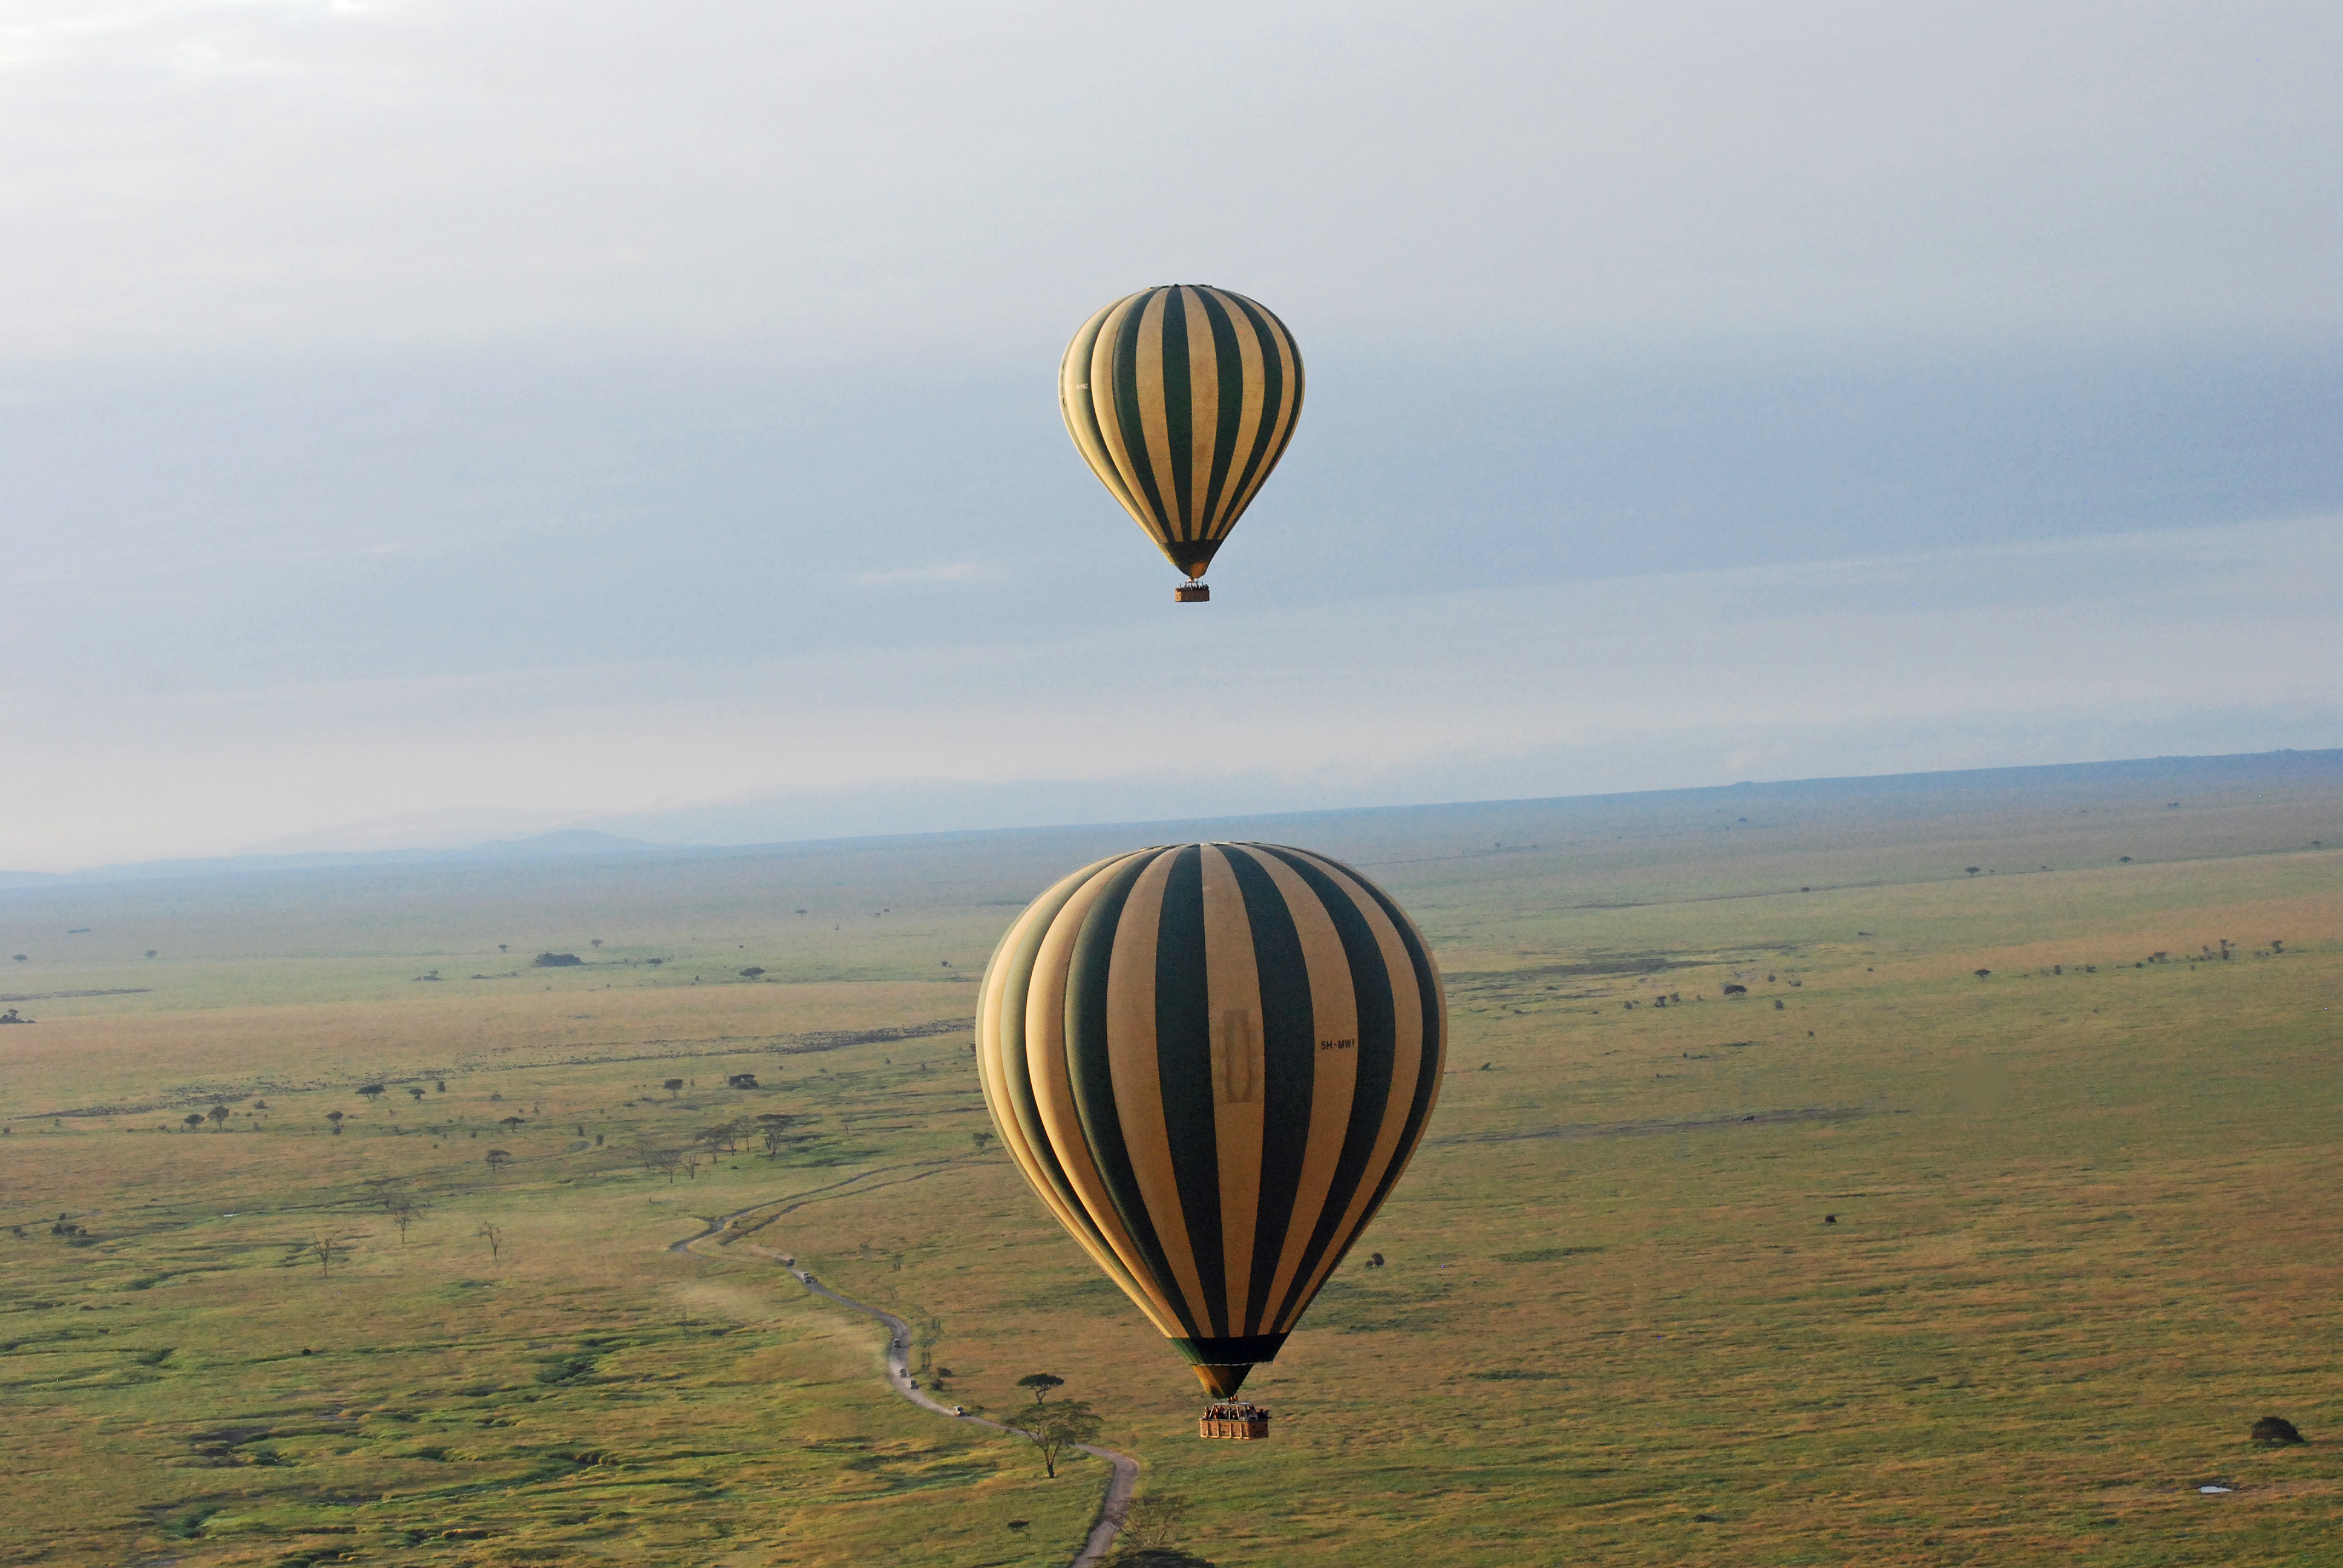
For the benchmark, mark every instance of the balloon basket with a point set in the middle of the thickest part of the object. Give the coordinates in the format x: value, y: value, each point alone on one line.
x: 1235, y: 1421
x: 1192, y: 593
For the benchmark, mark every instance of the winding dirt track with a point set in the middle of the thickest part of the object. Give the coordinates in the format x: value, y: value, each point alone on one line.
x: 1120, y: 1485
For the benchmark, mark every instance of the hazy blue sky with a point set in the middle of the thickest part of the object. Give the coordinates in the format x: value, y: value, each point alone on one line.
x: 423, y: 421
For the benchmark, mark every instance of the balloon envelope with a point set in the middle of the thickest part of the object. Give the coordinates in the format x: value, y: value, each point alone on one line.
x: 1213, y: 1061
x: 1182, y: 400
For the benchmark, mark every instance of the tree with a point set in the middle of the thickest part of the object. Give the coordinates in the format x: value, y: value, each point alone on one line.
x: 660, y: 1161
x: 370, y: 1093
x: 1154, y: 1521
x: 502, y: 948
x: 194, y: 1119
x: 494, y: 1235
x: 510, y: 1123
x: 336, y: 1118
x: 219, y: 1115
x: 751, y: 972
x: 497, y: 1159
x: 598, y: 941
x: 150, y: 952
x: 1972, y: 870
x: 672, y: 1086
x: 1055, y: 1427
x: 414, y: 1093
x: 327, y: 1246
x: 1041, y: 1382
x: 980, y: 1140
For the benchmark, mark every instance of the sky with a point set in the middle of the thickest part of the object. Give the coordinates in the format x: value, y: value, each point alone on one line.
x: 422, y: 423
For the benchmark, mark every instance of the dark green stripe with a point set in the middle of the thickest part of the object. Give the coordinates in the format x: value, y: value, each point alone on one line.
x: 1080, y: 408
x: 1179, y: 417
x: 1289, y: 1042
x: 1229, y: 416
x: 1017, y: 1078
x: 1124, y: 365
x: 1265, y: 443
x: 1183, y: 1044
x: 1435, y: 1051
x: 1088, y: 1064
x: 1378, y: 1037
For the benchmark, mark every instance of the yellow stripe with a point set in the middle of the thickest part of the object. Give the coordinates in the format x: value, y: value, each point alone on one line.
x: 1334, y: 1008
x: 1407, y: 1066
x: 1053, y: 1094
x: 1204, y: 411
x: 1134, y: 498
x: 1147, y: 371
x: 1136, y: 1069
x: 1280, y: 348
x: 1078, y: 394
x: 1233, y: 991
x: 991, y: 1041
x: 1249, y: 353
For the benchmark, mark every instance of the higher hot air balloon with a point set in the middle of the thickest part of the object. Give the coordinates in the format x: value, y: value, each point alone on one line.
x: 1213, y: 1061
x: 1182, y: 400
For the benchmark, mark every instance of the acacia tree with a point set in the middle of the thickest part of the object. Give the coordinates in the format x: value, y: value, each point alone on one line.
x: 194, y: 1119
x: 326, y: 1246
x: 336, y: 1118
x: 494, y: 1235
x: 497, y: 1159
x: 1154, y: 1521
x: 219, y: 1115
x: 1041, y: 1382
x: 1055, y: 1427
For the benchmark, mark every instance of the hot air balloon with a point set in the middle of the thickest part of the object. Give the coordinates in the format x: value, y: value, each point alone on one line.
x: 1213, y: 1062
x: 1182, y: 400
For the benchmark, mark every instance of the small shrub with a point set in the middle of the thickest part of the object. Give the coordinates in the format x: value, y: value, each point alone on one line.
x: 2275, y: 1429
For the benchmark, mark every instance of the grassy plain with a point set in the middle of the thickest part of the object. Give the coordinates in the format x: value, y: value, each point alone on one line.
x: 2083, y: 1205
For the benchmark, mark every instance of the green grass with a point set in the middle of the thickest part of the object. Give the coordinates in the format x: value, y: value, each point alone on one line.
x: 2083, y: 1231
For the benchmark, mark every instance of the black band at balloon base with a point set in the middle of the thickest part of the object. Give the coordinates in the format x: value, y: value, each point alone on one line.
x: 1221, y: 1365
x: 1242, y: 1350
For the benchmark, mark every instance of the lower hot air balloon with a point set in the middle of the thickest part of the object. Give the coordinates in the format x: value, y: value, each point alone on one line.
x: 1182, y: 399
x: 1213, y: 1062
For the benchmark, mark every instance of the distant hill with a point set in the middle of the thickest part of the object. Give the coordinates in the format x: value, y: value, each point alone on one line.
x: 567, y: 843
x: 1360, y: 830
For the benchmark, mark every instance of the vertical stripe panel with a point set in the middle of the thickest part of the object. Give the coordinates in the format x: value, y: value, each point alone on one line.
x: 1077, y: 404
x: 1120, y: 424
x: 1046, y: 1053
x: 1089, y: 1070
x: 1002, y: 1071
x: 1135, y: 1070
x: 1176, y: 475
x: 1333, y: 1002
x: 1288, y: 1050
x: 1235, y: 1041
x: 1183, y: 1067
x: 1390, y: 1056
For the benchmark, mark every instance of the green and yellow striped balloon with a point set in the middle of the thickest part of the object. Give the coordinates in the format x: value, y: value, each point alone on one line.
x: 1213, y: 1061
x: 1182, y: 400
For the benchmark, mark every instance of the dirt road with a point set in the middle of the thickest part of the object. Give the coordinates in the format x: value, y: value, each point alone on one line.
x: 1121, y: 1484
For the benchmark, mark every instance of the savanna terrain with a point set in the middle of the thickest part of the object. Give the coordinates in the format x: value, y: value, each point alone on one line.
x: 1979, y: 1226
